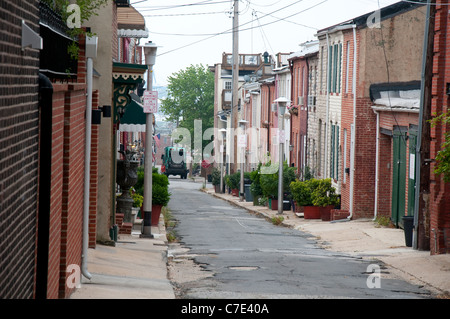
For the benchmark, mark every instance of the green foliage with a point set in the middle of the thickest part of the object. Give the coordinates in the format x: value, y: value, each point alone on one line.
x: 138, y: 199
x: 302, y: 191
x: 255, y: 177
x: 443, y: 156
x: 277, y: 220
x: 314, y: 192
x: 215, y: 175
x: 88, y: 8
x: 190, y: 98
x: 233, y: 180
x: 160, y: 186
x: 324, y: 194
x: 269, y: 182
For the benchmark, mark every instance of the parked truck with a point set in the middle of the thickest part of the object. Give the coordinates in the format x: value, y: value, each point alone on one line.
x: 174, y: 162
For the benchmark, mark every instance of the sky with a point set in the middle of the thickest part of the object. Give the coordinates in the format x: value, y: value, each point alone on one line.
x: 194, y: 32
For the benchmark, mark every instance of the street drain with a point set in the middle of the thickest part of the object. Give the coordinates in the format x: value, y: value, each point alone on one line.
x: 243, y: 268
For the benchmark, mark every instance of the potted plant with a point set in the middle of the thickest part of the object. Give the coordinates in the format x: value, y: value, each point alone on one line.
x: 232, y: 181
x: 215, y: 179
x: 269, y: 184
x: 269, y: 187
x: 255, y: 187
x: 302, y: 193
x: 324, y: 196
x: 160, y: 196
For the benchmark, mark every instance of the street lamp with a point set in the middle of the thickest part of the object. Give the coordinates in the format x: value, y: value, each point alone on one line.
x: 282, y: 102
x: 222, y: 150
x: 242, y: 124
x: 150, y: 57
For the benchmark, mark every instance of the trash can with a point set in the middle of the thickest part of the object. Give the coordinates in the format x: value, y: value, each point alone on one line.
x: 408, y: 225
x: 248, y: 193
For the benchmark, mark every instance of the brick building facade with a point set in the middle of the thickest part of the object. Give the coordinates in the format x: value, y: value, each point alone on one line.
x: 43, y: 121
x: 19, y: 153
x: 439, y: 209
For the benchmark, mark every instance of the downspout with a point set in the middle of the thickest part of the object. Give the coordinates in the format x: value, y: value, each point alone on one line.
x: 91, y: 52
x: 377, y: 169
x: 352, y: 173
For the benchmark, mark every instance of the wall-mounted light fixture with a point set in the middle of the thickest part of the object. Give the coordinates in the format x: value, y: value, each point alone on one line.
x: 96, y: 117
x: 106, y: 109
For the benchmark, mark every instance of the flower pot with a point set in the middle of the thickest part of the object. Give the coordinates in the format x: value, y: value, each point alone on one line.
x: 325, y: 213
x: 273, y: 204
x: 311, y: 212
x: 156, y: 213
x: 235, y: 192
x: 217, y: 188
x: 297, y: 208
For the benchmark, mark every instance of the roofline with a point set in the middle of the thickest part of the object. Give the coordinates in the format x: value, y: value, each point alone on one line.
x: 361, y: 21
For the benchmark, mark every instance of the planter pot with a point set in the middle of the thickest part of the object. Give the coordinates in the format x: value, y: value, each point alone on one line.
x: 156, y: 213
x: 217, y: 188
x: 235, y: 192
x: 311, y: 212
x: 273, y: 204
x: 297, y: 208
x: 325, y: 213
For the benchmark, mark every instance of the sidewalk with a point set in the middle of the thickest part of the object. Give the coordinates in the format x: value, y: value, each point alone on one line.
x: 366, y: 239
x: 136, y: 268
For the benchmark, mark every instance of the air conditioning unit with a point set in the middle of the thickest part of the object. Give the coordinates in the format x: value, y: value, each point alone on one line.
x: 300, y: 101
x: 311, y: 101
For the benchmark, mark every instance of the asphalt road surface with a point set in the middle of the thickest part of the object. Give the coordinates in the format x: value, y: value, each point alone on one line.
x: 245, y: 256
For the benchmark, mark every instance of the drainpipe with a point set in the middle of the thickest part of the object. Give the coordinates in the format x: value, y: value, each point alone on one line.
x: 352, y: 173
x: 377, y: 172
x: 91, y: 52
x: 325, y: 166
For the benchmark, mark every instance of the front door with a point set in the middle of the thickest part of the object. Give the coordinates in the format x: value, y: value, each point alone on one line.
x: 399, y: 177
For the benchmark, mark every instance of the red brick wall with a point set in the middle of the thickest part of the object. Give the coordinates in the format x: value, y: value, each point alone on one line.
x: 347, y: 114
x: 299, y: 123
x: 93, y: 183
x: 19, y: 138
x: 440, y: 191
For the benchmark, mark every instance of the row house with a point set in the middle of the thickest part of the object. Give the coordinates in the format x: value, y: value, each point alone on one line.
x: 355, y: 116
x: 304, y: 71
x: 367, y: 111
x: 250, y: 67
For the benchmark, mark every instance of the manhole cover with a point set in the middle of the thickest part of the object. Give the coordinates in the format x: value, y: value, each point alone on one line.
x: 243, y: 268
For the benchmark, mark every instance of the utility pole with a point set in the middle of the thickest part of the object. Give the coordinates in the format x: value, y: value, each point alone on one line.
x: 235, y: 79
x: 421, y: 235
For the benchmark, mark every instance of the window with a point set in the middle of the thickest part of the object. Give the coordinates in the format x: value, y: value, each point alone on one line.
x: 347, y: 69
x: 334, y: 68
x: 228, y: 85
x: 334, y: 161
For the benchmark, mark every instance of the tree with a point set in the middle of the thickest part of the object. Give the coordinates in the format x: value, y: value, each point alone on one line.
x: 190, y: 98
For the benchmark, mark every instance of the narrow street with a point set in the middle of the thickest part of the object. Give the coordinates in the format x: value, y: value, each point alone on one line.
x: 225, y: 252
